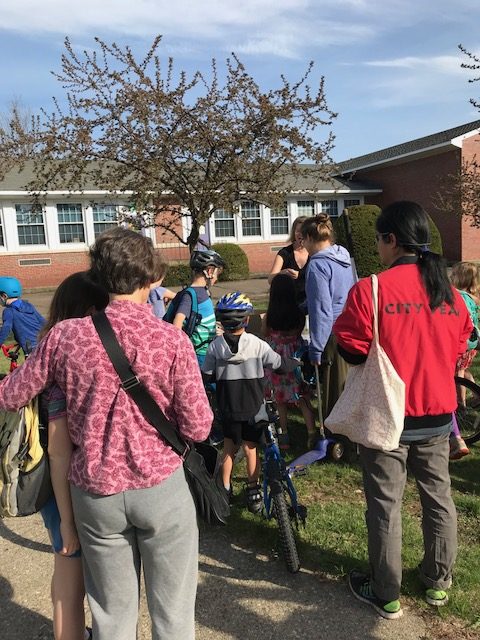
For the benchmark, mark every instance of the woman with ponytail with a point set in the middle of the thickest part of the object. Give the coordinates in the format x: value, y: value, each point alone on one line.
x: 423, y: 327
x: 328, y: 280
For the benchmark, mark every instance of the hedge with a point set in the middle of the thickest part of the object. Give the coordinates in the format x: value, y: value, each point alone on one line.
x: 178, y: 275
x: 362, y: 220
x: 235, y: 259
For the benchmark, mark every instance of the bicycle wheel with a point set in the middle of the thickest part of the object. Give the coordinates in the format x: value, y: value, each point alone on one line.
x: 468, y: 415
x: 289, y: 546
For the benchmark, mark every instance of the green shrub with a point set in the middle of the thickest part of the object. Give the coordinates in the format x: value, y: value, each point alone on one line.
x: 178, y: 275
x: 236, y: 261
x: 362, y: 220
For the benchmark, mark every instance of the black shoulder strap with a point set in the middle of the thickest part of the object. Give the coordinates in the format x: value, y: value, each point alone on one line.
x: 135, y: 389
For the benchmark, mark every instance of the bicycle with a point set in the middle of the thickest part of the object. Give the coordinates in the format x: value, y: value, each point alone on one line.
x: 279, y: 494
x: 468, y: 415
x: 12, y: 352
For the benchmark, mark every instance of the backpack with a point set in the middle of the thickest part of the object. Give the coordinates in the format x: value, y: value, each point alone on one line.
x: 25, y: 484
x: 193, y: 320
x: 472, y: 342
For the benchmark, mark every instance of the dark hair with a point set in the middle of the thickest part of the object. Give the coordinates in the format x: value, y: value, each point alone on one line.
x: 319, y: 228
x: 123, y: 261
x: 74, y: 298
x: 409, y: 223
x: 283, y: 313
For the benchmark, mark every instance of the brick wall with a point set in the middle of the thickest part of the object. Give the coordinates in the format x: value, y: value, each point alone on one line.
x: 34, y: 277
x: 470, y: 234
x: 420, y: 180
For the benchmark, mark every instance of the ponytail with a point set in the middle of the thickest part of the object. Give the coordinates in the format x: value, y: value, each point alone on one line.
x: 409, y: 223
x: 319, y: 228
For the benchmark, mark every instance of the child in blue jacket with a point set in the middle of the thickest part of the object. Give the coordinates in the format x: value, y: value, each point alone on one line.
x: 19, y: 316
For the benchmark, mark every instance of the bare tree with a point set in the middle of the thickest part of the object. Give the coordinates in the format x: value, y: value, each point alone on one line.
x: 199, y: 143
x: 459, y: 192
x: 16, y: 135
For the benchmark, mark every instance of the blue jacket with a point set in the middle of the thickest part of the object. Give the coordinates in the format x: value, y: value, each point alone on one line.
x: 328, y: 281
x: 23, y: 319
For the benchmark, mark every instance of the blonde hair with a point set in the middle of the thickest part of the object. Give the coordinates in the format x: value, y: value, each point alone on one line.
x: 465, y: 276
x: 319, y: 228
x: 298, y: 221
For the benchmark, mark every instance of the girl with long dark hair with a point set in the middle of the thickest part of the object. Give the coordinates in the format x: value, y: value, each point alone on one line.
x: 423, y: 328
x: 284, y: 323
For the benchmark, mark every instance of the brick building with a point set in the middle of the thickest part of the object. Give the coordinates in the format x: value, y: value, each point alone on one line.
x: 416, y: 170
x: 41, y: 247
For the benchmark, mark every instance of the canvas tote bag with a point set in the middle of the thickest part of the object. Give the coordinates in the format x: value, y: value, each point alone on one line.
x: 371, y: 409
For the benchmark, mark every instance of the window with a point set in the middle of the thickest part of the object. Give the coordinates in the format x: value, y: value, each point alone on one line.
x: 251, y: 225
x: 70, y: 223
x: 30, y: 224
x: 279, y: 221
x: 330, y: 207
x: 306, y: 207
x: 104, y: 217
x: 351, y: 203
x: 2, y: 241
x: 224, y: 224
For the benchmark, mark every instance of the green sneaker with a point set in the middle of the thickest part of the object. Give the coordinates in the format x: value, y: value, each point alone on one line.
x: 361, y: 588
x: 436, y: 597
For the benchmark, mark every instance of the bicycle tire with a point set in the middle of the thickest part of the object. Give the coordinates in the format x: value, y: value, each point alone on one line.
x: 289, y: 546
x: 468, y: 418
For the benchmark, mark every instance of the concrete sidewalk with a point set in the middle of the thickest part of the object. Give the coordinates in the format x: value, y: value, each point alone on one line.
x: 242, y: 596
x: 255, y: 288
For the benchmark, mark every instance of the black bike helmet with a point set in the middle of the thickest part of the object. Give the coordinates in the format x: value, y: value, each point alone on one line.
x: 200, y: 260
x: 233, y: 309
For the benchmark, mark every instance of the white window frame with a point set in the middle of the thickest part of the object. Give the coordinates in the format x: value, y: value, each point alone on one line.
x: 107, y: 225
x: 231, y: 218
x: 32, y: 224
x: 274, y: 215
x: 69, y: 225
x: 258, y: 208
x: 327, y: 201
x: 302, y: 211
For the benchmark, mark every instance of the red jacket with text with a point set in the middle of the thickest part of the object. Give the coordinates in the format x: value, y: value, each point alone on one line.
x: 423, y: 345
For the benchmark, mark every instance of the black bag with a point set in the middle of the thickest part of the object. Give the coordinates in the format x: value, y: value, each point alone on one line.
x: 201, y: 461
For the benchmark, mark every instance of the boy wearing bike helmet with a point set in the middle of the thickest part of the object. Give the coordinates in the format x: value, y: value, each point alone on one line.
x: 236, y: 362
x: 19, y: 316
x: 206, y: 266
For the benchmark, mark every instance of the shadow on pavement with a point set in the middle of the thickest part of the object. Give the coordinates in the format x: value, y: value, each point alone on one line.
x: 19, y: 622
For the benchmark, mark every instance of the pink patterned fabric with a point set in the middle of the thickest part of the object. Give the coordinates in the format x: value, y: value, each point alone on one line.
x: 115, y: 447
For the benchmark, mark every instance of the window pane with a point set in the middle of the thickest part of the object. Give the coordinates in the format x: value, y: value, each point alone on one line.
x: 70, y: 223
x: 351, y: 203
x: 306, y: 207
x: 251, y: 225
x: 330, y: 207
x: 30, y: 226
x: 104, y: 217
x: 2, y: 243
x: 224, y: 228
x: 279, y: 226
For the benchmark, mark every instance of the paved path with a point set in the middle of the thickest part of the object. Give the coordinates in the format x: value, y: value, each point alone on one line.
x: 241, y: 596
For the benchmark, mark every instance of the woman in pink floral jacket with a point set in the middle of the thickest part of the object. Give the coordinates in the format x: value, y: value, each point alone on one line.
x: 131, y: 501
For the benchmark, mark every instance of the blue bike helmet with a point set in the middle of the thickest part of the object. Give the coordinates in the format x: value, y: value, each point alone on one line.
x: 233, y: 309
x: 11, y: 287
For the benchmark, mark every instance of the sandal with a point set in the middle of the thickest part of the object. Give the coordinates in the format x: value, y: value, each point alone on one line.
x: 254, y: 498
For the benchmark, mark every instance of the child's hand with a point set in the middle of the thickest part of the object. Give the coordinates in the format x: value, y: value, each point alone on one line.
x: 70, y: 540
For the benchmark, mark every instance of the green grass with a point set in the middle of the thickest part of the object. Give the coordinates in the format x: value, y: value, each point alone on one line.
x: 335, y: 537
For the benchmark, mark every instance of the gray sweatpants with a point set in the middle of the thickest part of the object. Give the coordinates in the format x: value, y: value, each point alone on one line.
x: 384, y: 477
x: 156, y: 527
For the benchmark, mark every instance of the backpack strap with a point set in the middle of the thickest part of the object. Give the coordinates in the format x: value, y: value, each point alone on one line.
x: 136, y: 389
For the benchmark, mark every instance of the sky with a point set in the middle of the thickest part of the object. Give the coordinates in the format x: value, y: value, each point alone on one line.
x: 392, y: 67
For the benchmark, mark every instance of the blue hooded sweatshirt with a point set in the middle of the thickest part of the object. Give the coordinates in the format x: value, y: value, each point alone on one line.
x: 23, y: 319
x: 328, y: 281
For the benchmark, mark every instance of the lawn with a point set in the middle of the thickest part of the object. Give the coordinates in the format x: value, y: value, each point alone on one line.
x: 335, y: 539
